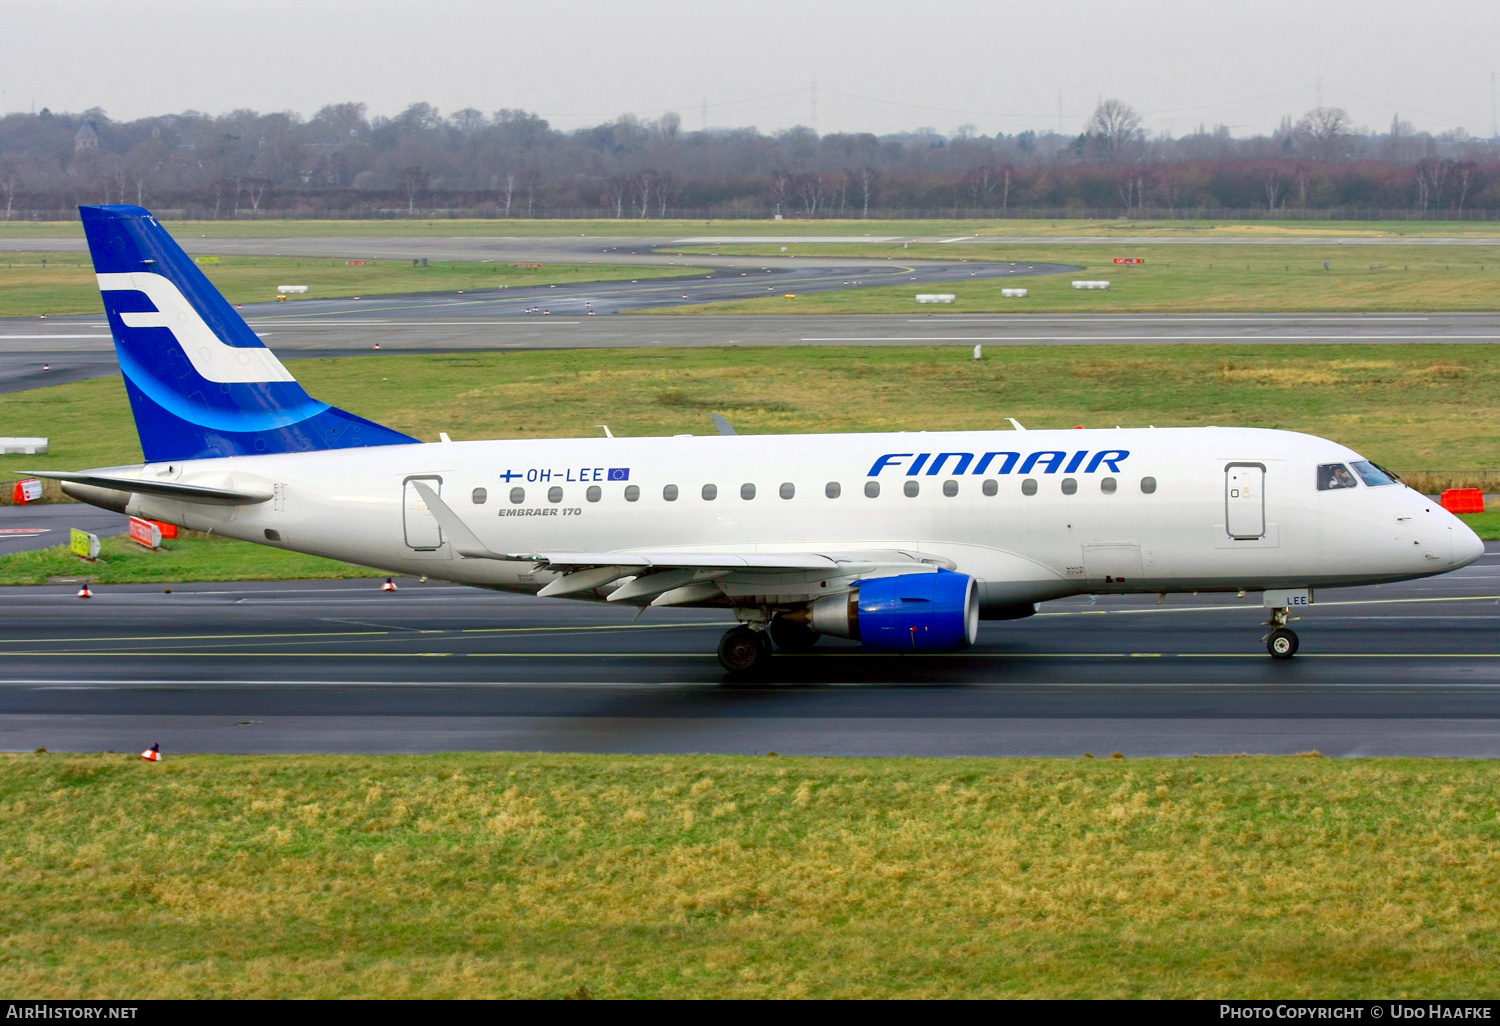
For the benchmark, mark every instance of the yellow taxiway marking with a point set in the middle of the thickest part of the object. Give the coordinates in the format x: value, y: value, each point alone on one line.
x: 199, y: 637
x: 359, y: 634
x: 240, y: 653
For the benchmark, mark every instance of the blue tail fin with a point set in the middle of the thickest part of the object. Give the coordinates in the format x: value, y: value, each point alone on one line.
x: 201, y: 383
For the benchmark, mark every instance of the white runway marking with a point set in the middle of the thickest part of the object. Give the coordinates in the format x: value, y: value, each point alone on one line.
x: 1157, y: 338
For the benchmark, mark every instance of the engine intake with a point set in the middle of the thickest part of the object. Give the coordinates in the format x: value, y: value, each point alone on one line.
x: 932, y: 612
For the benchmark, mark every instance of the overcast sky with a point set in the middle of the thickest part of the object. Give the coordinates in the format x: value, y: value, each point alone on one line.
x: 879, y: 65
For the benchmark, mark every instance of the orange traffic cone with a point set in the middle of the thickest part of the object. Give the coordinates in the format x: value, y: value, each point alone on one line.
x: 152, y: 754
x: 377, y: 345
x: 84, y: 591
x: 389, y: 585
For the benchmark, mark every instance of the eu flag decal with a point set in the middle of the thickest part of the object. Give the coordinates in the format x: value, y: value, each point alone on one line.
x: 619, y: 473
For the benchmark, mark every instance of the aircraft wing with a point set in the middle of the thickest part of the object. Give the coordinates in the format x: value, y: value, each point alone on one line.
x: 688, y: 578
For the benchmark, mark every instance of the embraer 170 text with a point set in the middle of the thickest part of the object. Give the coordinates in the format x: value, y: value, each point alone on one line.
x: 902, y: 542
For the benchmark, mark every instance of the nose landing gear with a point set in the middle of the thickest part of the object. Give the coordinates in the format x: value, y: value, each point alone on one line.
x: 1281, y: 642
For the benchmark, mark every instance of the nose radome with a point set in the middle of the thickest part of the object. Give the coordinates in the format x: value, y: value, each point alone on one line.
x: 1467, y: 547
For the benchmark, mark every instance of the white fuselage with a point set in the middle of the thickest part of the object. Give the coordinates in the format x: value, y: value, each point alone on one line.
x: 1195, y: 531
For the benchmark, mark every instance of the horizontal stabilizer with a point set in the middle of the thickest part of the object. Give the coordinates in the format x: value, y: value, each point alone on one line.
x: 166, y: 489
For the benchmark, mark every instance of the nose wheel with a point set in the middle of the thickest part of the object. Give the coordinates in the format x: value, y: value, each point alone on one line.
x: 744, y: 651
x: 1281, y: 642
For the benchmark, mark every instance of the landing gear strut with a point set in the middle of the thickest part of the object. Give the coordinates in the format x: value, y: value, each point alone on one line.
x: 744, y: 651
x: 1281, y: 642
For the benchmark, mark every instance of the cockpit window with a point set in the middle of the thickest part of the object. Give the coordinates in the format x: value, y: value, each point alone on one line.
x: 1372, y: 475
x: 1335, y: 475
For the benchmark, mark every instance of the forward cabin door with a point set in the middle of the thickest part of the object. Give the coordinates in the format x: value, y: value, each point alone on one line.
x: 422, y: 531
x: 1245, y: 500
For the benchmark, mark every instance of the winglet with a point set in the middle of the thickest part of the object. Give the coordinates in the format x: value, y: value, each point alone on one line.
x: 722, y: 423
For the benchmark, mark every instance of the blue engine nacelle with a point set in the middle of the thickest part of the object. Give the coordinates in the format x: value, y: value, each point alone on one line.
x: 931, y: 612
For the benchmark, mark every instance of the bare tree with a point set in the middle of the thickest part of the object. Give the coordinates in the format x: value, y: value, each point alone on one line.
x: 779, y: 185
x: 812, y: 188
x: 1114, y: 132
x: 865, y: 178
x: 981, y: 183
x: 1463, y: 175
x: 255, y: 188
x: 412, y: 181
x: 1432, y: 181
x: 10, y: 184
x: 1325, y: 132
x: 666, y: 187
x: 1275, y: 186
x: 616, y: 187
x: 508, y: 188
x: 143, y: 163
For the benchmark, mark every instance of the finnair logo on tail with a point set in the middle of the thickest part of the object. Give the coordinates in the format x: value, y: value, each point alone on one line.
x: 209, y: 355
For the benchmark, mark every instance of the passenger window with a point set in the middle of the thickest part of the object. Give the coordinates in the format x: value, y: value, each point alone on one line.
x: 788, y: 489
x: 669, y: 493
x: 632, y: 492
x: 1108, y: 486
x: 1373, y: 475
x: 554, y: 494
x: 1332, y: 476
x: 911, y: 488
x: 950, y: 488
x: 990, y: 486
x: 1028, y: 486
x: 872, y: 489
x: 518, y: 495
x: 747, y: 491
x: 832, y: 490
x: 479, y: 496
x: 593, y: 493
x: 1070, y: 485
x: 1148, y: 485
x: 710, y: 492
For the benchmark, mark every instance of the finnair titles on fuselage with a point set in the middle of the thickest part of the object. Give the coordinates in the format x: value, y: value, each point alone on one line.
x: 903, y: 542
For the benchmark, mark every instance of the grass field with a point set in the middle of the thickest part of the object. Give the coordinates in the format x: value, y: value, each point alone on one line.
x: 853, y: 227
x: 191, y: 557
x: 1173, y: 279
x: 1410, y: 407
x: 700, y: 876
x: 63, y: 283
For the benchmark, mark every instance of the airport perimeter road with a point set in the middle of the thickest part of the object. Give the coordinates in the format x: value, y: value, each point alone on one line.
x: 73, y: 348
x: 1410, y: 669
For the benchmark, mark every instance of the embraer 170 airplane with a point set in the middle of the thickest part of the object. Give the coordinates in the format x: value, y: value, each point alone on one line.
x: 902, y: 542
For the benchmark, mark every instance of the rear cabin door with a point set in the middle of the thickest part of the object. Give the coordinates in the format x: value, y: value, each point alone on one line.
x: 422, y: 531
x: 1245, y: 500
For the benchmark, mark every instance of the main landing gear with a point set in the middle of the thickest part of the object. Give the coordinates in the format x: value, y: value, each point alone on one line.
x: 744, y: 651
x: 1281, y: 642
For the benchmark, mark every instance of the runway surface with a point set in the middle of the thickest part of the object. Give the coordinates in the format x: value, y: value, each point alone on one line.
x: 76, y: 348
x: 41, y: 526
x: 1409, y: 669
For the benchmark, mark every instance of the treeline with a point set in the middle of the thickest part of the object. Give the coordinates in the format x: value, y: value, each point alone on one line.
x: 343, y: 163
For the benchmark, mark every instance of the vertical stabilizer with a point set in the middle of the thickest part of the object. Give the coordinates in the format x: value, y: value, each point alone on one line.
x: 201, y: 383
